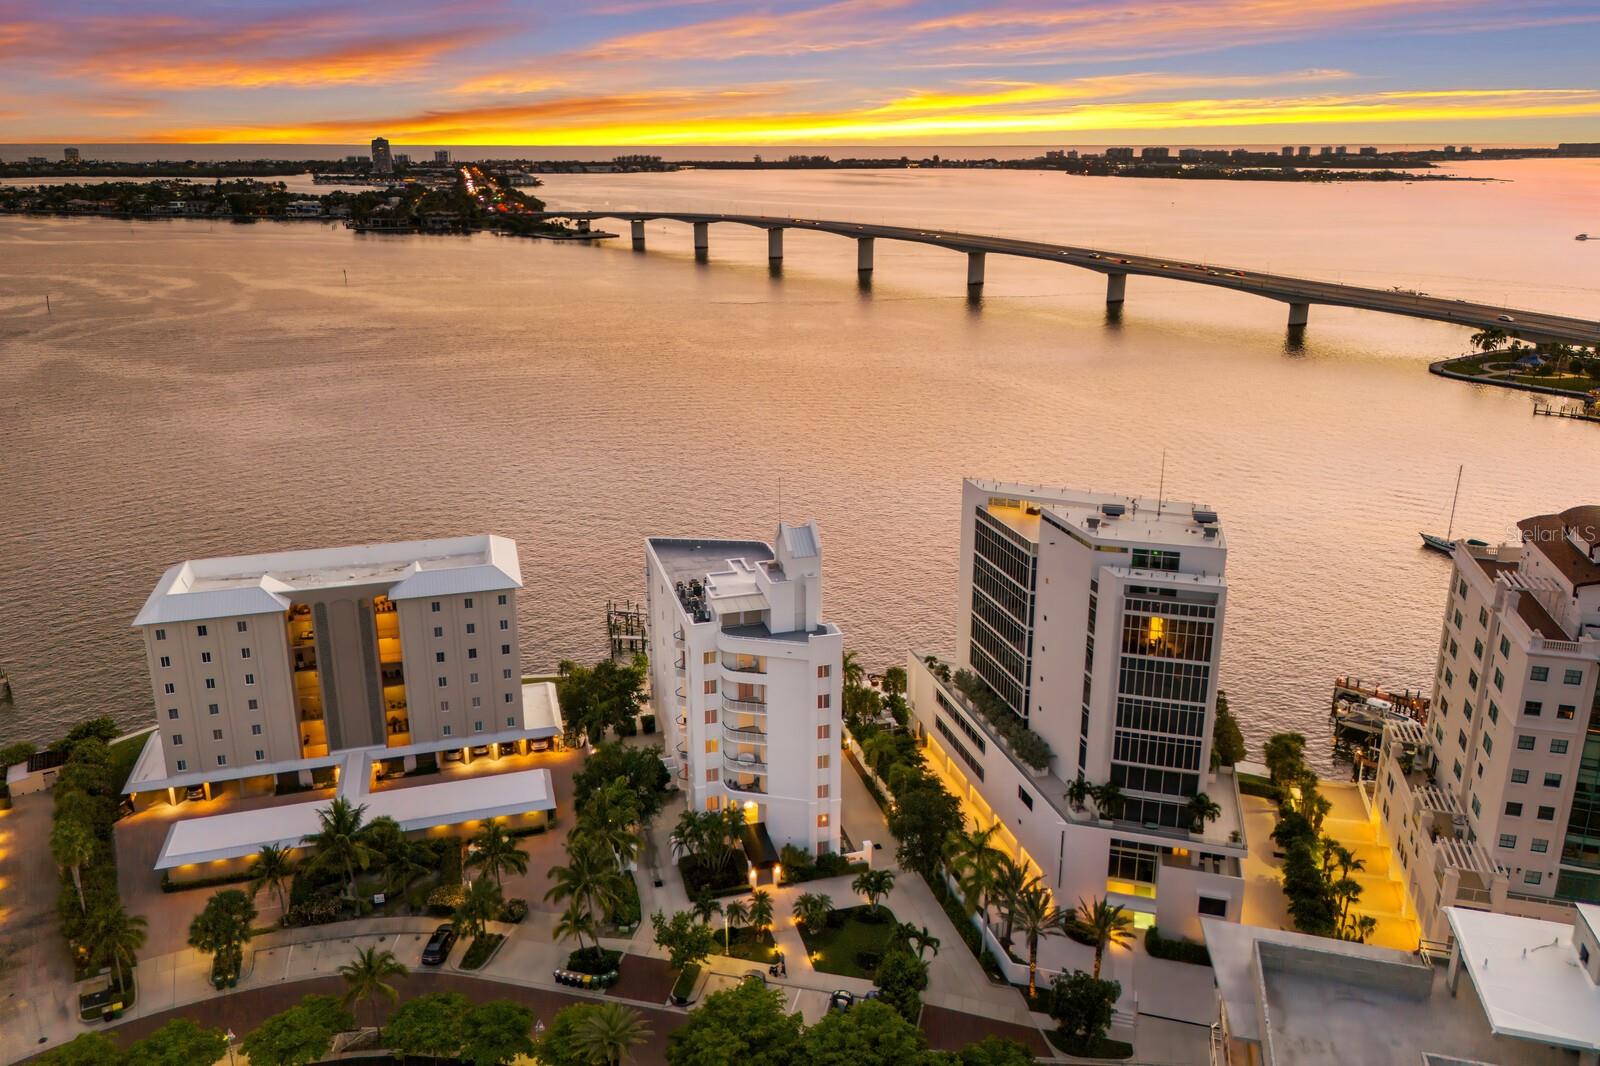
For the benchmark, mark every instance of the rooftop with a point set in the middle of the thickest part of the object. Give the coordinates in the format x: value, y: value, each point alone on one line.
x: 1551, y: 535
x: 235, y: 585
x: 683, y: 558
x: 1526, y: 972
x: 1102, y: 515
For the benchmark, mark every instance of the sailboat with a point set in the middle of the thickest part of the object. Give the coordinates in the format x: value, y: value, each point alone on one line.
x: 1446, y: 543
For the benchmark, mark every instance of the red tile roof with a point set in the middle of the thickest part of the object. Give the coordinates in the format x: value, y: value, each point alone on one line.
x: 1548, y: 534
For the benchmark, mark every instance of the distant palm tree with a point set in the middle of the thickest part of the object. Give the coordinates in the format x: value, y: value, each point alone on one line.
x: 1035, y: 917
x: 974, y: 862
x: 611, y: 817
x: 367, y: 977
x: 272, y: 869
x: 689, y: 835
x: 115, y: 936
x: 918, y: 938
x: 1009, y: 881
x: 577, y: 923
x: 495, y: 852
x: 760, y: 910
x: 1108, y: 800
x: 811, y: 909
x: 705, y: 907
x: 1362, y: 927
x: 851, y: 671
x: 72, y: 845
x: 1201, y: 809
x: 589, y: 878
x: 404, y: 865
x: 341, y: 842
x: 1107, y: 925
x: 480, y: 907
x: 222, y: 930
x: 874, y: 884
x: 608, y: 1033
x: 735, y: 913
x: 1078, y: 790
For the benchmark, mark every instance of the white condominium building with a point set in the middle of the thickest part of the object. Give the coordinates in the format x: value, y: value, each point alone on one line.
x: 1495, y: 803
x: 262, y: 663
x: 1097, y: 621
x: 745, y: 675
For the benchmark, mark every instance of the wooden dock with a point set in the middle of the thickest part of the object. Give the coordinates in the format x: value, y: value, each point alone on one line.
x: 1580, y: 411
x: 626, y: 629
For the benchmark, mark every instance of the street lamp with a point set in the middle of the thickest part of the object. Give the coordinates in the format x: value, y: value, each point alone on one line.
x: 231, y: 1039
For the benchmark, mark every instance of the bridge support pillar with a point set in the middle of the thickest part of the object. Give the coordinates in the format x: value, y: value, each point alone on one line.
x: 863, y: 255
x: 583, y: 225
x: 638, y: 234
x: 1298, y: 314
x: 1116, y: 288
x: 701, y: 241
x: 775, y: 245
x: 974, y: 270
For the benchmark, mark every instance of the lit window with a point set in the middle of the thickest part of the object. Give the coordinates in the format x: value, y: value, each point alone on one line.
x: 709, y: 657
x: 711, y: 747
x: 711, y: 774
x: 825, y: 670
x: 1565, y: 712
x: 710, y: 686
x: 822, y: 821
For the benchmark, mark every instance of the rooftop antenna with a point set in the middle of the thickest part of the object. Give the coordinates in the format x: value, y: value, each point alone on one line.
x: 1163, y: 489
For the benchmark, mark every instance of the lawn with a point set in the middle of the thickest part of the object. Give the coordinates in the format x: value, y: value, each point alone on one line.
x: 124, y: 753
x: 849, y: 935
x: 744, y: 943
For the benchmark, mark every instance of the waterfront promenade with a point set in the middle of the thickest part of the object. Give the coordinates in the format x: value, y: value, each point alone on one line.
x: 1298, y: 293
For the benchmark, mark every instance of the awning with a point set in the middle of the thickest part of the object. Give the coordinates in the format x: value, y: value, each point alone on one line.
x: 758, y: 846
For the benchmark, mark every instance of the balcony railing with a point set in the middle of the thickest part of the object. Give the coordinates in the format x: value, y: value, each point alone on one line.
x: 732, y: 726
x: 735, y: 666
x: 758, y: 785
x: 749, y: 764
x: 677, y: 636
x: 733, y: 703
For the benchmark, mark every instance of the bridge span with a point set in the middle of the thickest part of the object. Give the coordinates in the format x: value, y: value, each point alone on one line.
x: 1298, y: 293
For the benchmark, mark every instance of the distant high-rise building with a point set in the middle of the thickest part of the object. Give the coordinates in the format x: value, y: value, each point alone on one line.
x: 71, y: 155
x: 355, y: 160
x: 1155, y: 155
x: 1119, y: 153
x: 441, y: 156
x: 1341, y: 150
x: 1288, y: 150
x: 1327, y: 150
x: 1368, y: 150
x: 382, y: 161
x: 37, y: 160
x: 402, y: 158
x: 1303, y: 151
x: 1188, y: 153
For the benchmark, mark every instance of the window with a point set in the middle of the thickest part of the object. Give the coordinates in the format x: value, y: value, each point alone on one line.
x: 244, y: 653
x: 1533, y: 708
x: 824, y: 732
x: 1457, y: 769
x: 249, y: 679
x: 708, y: 658
x: 1513, y: 810
x: 1565, y: 712
x: 1552, y: 780
x: 472, y: 653
x: 1572, y: 677
x: 510, y: 721
x: 1540, y: 845
x: 468, y: 603
x: 477, y: 701
x: 1499, y: 679
x: 169, y: 688
x: 501, y: 599
x: 711, y: 717
x: 472, y: 627
x: 1466, y: 709
x: 161, y: 634
x: 1519, y: 777
x: 1472, y: 680
x: 477, y: 725
x: 438, y: 631
x: 1027, y: 800
x: 205, y: 656
x: 222, y: 760
x: 711, y: 774
x: 172, y: 712
x: 1505, y: 646
x: 1558, y: 747
x: 1449, y: 678
x: 1508, y: 840
x: 508, y: 696
x: 1483, y: 617
x: 183, y: 764
x: 1461, y: 739
x: 1214, y: 908
x: 1454, y: 648
x: 444, y: 682
x: 1488, y: 745
x: 434, y: 606
x: 260, y: 755
x: 1477, y: 808
x: 506, y: 674
x: 1461, y: 588
x: 711, y: 746
x: 822, y: 823
x: 825, y: 670
x: 822, y: 792
x: 166, y: 660
x: 255, y: 730
x: 444, y: 705
x: 199, y: 631
x: 211, y: 682
x: 1547, y: 814
x: 1532, y: 877
x: 216, y: 734
x: 709, y: 686
x: 1494, y: 712
x: 822, y: 762
x: 505, y: 624
x: 438, y: 656
x: 472, y: 679
x: 1458, y: 619
x: 1524, y: 742
x: 446, y: 729
x: 505, y: 649
x: 1477, y: 648
x: 1540, y: 673
x: 212, y: 708
x: 824, y: 701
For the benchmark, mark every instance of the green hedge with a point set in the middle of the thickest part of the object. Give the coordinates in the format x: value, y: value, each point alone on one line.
x: 685, y: 984
x: 480, y: 949
x: 1178, y: 949
x: 594, y: 961
x: 627, y: 911
x: 1254, y: 785
x: 169, y: 885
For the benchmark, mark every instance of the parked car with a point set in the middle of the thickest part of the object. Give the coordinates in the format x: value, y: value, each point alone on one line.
x: 438, y: 946
x: 197, y: 792
x: 841, y: 1000
x: 542, y: 744
x: 452, y: 755
x: 480, y: 751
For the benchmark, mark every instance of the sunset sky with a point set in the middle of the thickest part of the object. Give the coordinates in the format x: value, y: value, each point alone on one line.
x: 684, y: 72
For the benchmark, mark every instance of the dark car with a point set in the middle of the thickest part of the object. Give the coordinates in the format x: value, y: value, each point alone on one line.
x: 439, y: 945
x: 841, y: 1000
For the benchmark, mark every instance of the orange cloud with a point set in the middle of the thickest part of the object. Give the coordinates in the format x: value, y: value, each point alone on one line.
x: 845, y: 24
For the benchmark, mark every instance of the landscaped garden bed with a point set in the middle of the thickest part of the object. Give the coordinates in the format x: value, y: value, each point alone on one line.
x: 592, y: 960
x: 750, y: 944
x: 684, y: 986
x: 852, y: 942
x: 481, y: 950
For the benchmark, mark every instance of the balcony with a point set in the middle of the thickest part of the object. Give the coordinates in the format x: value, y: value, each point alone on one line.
x: 682, y: 720
x: 677, y: 636
x: 757, y: 786
x: 744, y: 664
x: 749, y: 732
x: 734, y: 703
x: 680, y: 667
x: 682, y: 748
x: 746, y: 763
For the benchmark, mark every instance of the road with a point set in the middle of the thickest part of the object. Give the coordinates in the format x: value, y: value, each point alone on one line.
x: 1534, y: 326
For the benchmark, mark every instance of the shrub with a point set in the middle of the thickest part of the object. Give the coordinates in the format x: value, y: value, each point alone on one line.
x: 1178, y: 949
x: 480, y: 949
x: 444, y: 900
x: 514, y: 911
x: 318, y: 911
x: 12, y: 754
x: 868, y: 960
x: 647, y: 724
x: 593, y: 960
x: 169, y: 885
x: 685, y: 984
x: 627, y: 911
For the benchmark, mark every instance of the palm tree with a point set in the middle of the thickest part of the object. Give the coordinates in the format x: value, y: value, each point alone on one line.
x: 1363, y: 927
x: 589, y: 879
x: 974, y: 862
x: 705, y: 907
x: 495, y: 852
x: 851, y: 671
x: 1035, y: 917
x: 367, y: 978
x: 404, y: 865
x: 115, y: 936
x: 811, y: 909
x: 1106, y: 924
x: 1108, y: 800
x: 689, y: 835
x: 222, y: 930
x: 577, y: 923
x: 610, y: 816
x: 272, y: 869
x: 760, y: 910
x: 72, y: 845
x: 1078, y: 791
x: 735, y: 913
x: 480, y: 907
x: 874, y: 884
x: 919, y: 938
x: 1009, y: 881
x: 341, y: 842
x: 608, y: 1032
x: 1201, y: 809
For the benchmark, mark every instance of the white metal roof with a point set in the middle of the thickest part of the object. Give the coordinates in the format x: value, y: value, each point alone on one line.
x: 229, y: 586
x: 1528, y: 978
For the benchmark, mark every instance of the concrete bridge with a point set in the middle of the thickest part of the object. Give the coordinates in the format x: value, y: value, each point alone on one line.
x: 1298, y: 293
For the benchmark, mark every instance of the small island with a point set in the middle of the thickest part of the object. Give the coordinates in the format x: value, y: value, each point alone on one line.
x: 1564, y: 370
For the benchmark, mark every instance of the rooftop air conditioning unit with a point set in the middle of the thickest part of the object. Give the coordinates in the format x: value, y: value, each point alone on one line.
x: 1204, y: 517
x: 1113, y: 510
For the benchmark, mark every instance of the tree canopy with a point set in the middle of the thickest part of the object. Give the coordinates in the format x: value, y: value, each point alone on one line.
x: 641, y: 768
x: 871, y: 1033
x: 428, y: 1025
x: 496, y: 1032
x: 740, y: 1026
x: 180, y: 1042
x: 598, y: 698
x: 300, y: 1035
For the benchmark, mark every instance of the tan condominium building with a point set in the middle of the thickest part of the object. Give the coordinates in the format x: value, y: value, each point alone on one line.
x: 1495, y: 802
x: 272, y: 660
